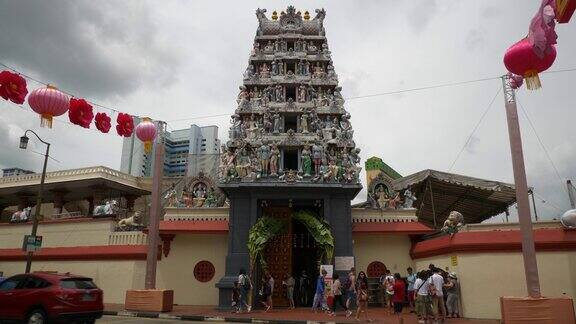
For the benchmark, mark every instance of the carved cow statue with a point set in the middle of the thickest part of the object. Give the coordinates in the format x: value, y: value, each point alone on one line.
x: 110, y: 207
x: 21, y: 215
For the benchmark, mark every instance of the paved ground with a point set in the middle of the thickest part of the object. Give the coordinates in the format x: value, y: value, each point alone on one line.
x: 130, y: 320
x: 378, y: 315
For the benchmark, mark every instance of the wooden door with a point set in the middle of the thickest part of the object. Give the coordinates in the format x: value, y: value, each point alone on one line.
x: 278, y: 254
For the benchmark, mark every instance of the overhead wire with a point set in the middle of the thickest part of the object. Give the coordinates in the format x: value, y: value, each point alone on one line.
x: 475, y: 127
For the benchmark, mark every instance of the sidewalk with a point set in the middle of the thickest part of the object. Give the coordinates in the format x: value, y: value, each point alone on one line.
x: 299, y: 315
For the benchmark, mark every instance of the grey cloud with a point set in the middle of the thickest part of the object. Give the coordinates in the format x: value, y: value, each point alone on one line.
x: 421, y: 13
x: 94, y: 48
x: 474, y: 40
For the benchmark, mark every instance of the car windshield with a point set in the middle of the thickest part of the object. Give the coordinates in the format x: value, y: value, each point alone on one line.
x: 10, y: 284
x: 77, y: 283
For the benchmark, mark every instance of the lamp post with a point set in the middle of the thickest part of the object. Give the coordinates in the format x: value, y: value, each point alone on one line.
x: 23, y: 145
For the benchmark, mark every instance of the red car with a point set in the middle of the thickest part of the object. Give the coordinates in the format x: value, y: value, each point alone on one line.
x: 40, y: 297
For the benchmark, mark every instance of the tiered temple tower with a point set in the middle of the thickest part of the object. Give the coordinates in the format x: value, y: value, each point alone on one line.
x: 291, y: 141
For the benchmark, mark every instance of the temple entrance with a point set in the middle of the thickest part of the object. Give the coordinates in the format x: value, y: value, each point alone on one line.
x: 293, y: 252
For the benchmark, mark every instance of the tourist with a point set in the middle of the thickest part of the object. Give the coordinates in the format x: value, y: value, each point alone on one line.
x: 411, y: 279
x: 265, y: 293
x: 289, y: 283
x: 271, y: 283
x: 350, y: 287
x: 422, y: 298
x: 244, y: 288
x: 453, y: 293
x: 436, y: 283
x: 362, y: 293
x: 318, y: 301
x: 387, y: 286
x: 399, y: 294
x: 337, y: 294
x: 236, y: 298
x: 304, y: 284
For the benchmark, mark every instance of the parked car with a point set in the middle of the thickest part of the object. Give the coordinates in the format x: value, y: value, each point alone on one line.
x: 40, y: 297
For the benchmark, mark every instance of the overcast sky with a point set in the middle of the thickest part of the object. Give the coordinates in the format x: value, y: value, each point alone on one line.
x: 174, y: 60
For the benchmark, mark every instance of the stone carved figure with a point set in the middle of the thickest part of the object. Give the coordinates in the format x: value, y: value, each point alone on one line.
x: 171, y: 196
x: 249, y: 73
x: 280, y: 67
x: 274, y: 65
x: 306, y: 161
x: 199, y: 192
x: 264, y: 71
x: 317, y: 154
x: 453, y: 223
x: 304, y: 123
x: 235, y: 131
x: 382, y: 198
x: 134, y: 222
x: 269, y: 48
x: 267, y: 123
x: 110, y: 207
x: 346, y: 127
x: 277, y: 123
x: 394, y: 200
x: 332, y: 172
x: 301, y: 93
x: 228, y: 164
x: 211, y: 198
x: 264, y: 158
x: 243, y: 163
x: 279, y: 93
x: 21, y: 216
x: 409, y: 198
x: 274, y: 156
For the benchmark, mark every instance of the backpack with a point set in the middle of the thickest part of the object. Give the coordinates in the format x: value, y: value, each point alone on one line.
x: 246, y: 284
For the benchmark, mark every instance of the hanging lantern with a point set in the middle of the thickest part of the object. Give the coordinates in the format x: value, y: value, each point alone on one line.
x: 521, y: 59
x: 146, y: 132
x: 102, y: 122
x: 80, y: 112
x: 12, y: 87
x: 48, y: 102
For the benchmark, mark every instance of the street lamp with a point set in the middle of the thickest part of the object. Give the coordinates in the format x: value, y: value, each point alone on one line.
x: 23, y: 145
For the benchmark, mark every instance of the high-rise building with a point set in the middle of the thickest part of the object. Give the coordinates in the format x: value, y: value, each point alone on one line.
x: 187, y: 152
x: 10, y: 172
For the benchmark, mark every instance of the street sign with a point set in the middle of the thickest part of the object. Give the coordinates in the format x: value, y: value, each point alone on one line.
x: 32, y: 243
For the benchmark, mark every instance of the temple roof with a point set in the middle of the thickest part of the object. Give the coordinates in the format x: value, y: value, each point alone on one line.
x: 291, y: 22
x: 440, y: 192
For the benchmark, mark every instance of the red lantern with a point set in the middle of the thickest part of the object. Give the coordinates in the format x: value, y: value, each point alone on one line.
x: 80, y: 112
x: 102, y: 122
x: 146, y: 132
x: 124, y: 125
x: 521, y: 59
x: 48, y: 102
x: 12, y: 87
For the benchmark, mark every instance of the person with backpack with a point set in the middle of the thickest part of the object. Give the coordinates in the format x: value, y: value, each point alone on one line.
x: 422, y: 298
x: 436, y: 284
x: 350, y: 288
x: 244, y: 288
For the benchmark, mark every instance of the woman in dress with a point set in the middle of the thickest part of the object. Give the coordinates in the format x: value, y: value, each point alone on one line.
x: 362, y: 293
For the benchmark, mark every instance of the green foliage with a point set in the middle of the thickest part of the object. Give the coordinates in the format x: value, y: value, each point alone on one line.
x: 264, y: 230
x: 320, y: 231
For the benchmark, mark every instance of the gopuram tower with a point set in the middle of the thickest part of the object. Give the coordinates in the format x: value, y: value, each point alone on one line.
x: 290, y: 150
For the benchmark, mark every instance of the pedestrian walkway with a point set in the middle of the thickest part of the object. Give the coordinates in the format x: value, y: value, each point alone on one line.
x: 298, y: 315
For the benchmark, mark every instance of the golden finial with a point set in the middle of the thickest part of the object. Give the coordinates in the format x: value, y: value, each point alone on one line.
x: 306, y: 15
x: 275, y: 15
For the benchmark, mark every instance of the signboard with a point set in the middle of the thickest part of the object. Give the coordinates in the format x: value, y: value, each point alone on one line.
x: 32, y: 243
x: 454, y: 260
x: 343, y: 263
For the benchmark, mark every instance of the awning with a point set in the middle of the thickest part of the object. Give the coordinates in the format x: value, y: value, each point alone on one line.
x: 439, y: 193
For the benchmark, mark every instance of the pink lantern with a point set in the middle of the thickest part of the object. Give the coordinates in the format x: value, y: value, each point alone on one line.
x: 146, y: 132
x: 48, y: 102
x: 521, y: 59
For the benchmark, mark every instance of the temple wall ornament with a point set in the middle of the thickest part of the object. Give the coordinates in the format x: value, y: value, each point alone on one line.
x: 290, y: 124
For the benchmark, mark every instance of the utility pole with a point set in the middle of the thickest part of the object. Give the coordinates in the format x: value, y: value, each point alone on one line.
x: 155, y: 209
x: 570, y: 188
x: 528, y: 246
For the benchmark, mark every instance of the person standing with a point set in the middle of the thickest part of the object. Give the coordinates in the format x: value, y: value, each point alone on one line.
x: 303, y: 285
x: 337, y: 294
x: 436, y: 283
x: 244, y: 288
x: 411, y: 279
x: 399, y: 294
x: 362, y: 293
x: 453, y: 294
x: 271, y: 283
x: 318, y: 301
x: 350, y: 288
x: 265, y: 292
x: 289, y: 283
x: 422, y: 299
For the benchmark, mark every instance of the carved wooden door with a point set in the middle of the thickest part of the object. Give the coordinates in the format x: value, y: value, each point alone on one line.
x: 278, y: 254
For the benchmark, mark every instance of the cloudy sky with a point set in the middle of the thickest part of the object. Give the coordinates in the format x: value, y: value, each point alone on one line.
x: 180, y: 60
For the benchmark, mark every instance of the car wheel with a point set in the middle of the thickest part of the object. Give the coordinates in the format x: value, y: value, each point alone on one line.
x: 37, y: 316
